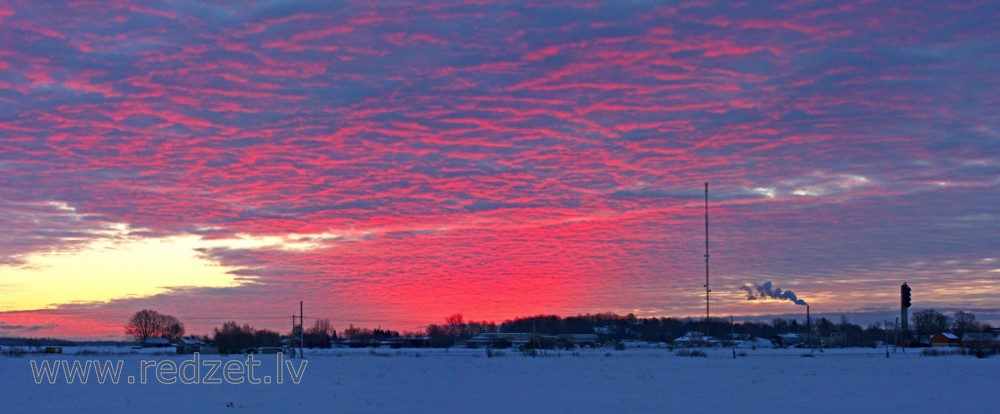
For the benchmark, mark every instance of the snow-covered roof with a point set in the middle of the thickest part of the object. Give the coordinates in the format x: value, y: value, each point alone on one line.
x: 949, y: 335
x: 190, y: 341
x: 696, y: 337
x: 980, y: 336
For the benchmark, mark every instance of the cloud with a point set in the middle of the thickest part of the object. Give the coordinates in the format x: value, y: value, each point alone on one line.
x: 466, y: 150
x: 23, y: 329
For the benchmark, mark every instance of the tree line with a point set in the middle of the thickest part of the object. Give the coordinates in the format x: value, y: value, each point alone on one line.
x: 232, y: 337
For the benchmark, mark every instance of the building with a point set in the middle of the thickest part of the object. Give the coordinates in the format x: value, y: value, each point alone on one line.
x: 945, y: 339
x: 789, y: 339
x: 189, y: 345
x: 981, y: 340
x: 697, y: 339
x: 580, y: 340
x: 500, y: 339
x: 754, y: 343
x: 156, y: 343
x: 407, y: 342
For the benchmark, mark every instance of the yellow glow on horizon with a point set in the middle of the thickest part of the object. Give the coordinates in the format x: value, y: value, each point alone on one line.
x: 109, y: 269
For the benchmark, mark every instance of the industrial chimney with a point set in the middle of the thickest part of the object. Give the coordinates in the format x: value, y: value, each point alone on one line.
x: 808, y: 326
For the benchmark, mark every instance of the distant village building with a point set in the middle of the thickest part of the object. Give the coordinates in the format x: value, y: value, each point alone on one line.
x: 604, y: 330
x: 156, y: 343
x: 189, y: 345
x: 981, y: 339
x: 834, y: 339
x: 516, y: 339
x: 697, y: 339
x: 945, y: 339
x: 407, y: 342
x: 500, y: 339
x: 789, y: 339
x: 753, y: 343
x: 580, y: 340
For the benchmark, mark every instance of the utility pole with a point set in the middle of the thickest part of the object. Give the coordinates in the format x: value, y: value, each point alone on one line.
x: 896, y: 344
x: 297, y: 334
x: 708, y: 290
x: 886, y: 339
x: 291, y: 345
x: 732, y: 334
x: 302, y: 320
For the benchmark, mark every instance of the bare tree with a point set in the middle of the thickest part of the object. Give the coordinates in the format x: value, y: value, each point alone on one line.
x: 233, y: 338
x: 456, y: 325
x: 322, y: 327
x: 964, y: 322
x: 319, y: 335
x: 149, y: 323
x: 928, y: 322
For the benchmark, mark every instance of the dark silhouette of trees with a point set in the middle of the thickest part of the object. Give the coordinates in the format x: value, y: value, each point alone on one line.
x: 319, y: 335
x: 964, y: 322
x: 610, y: 329
x: 927, y: 322
x: 365, y: 337
x: 149, y: 323
x: 266, y: 337
x: 455, y: 328
x: 233, y: 338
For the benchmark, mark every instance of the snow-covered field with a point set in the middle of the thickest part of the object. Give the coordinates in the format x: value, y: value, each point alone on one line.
x: 600, y: 381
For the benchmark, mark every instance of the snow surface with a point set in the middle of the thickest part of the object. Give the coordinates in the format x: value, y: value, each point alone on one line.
x: 598, y: 381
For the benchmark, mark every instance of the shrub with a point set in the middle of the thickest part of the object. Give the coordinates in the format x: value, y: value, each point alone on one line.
x: 938, y: 352
x: 15, y: 352
x: 692, y: 353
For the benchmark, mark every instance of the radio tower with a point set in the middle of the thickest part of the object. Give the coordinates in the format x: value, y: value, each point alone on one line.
x: 707, y: 289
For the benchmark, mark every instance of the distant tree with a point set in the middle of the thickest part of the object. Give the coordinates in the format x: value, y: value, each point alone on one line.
x: 266, y: 337
x: 440, y: 337
x: 873, y: 334
x: 964, y: 322
x: 173, y: 328
x: 149, y: 323
x: 233, y: 338
x: 456, y: 325
x: 853, y: 334
x: 780, y: 325
x: 927, y: 322
x: 824, y: 327
x: 319, y: 335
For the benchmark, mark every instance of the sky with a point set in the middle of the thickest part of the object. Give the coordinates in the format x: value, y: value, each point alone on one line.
x: 393, y: 163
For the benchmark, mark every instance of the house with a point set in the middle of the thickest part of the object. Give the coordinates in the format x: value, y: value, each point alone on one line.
x: 696, y: 339
x: 189, y: 345
x: 754, y: 343
x: 501, y: 339
x: 156, y: 343
x: 789, y: 339
x: 578, y: 339
x: 407, y: 342
x: 944, y: 339
x: 980, y: 339
x: 604, y: 330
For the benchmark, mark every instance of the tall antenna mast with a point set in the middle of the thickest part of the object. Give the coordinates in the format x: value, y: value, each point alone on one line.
x: 707, y: 288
